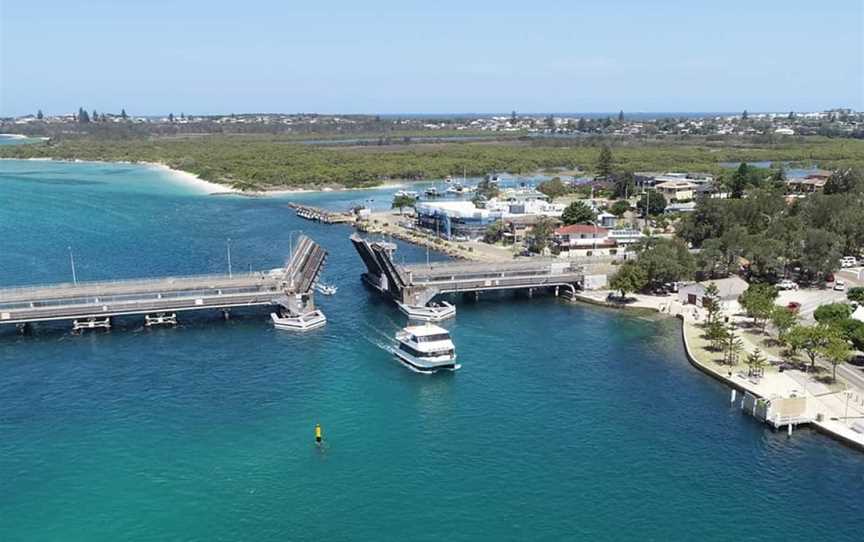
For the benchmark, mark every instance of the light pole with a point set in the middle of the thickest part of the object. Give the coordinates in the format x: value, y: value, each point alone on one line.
x: 228, y: 248
x: 72, y: 263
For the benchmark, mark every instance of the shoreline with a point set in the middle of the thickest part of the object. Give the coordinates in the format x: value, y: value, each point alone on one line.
x: 822, y: 427
x: 213, y: 188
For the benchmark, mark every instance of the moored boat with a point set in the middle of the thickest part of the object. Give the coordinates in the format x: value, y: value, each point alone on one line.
x: 426, y: 348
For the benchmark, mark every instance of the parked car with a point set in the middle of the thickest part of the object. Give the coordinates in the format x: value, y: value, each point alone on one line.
x: 793, y: 307
x: 829, y: 277
x: 839, y: 285
x: 848, y: 261
x: 786, y: 284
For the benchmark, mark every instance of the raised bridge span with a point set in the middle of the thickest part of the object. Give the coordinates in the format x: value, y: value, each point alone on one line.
x: 418, y: 284
x: 291, y: 286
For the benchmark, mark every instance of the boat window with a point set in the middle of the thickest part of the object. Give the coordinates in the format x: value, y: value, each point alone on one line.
x: 433, y: 338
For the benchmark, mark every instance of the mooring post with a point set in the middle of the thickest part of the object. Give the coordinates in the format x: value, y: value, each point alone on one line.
x: 226, y: 314
x: 732, y: 398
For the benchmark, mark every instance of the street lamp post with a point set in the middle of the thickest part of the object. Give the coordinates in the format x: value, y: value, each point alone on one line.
x: 72, y: 263
x: 228, y: 248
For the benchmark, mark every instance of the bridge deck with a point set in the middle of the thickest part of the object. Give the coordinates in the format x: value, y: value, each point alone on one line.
x: 167, y: 294
x: 418, y: 284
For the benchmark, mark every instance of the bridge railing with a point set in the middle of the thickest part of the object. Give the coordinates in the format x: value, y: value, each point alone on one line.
x: 93, y: 286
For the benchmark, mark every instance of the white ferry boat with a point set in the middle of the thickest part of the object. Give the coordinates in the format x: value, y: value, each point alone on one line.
x: 431, y: 313
x: 303, y: 322
x: 426, y: 349
x: 407, y: 193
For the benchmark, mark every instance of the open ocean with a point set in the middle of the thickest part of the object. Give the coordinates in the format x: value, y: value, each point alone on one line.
x: 566, y: 422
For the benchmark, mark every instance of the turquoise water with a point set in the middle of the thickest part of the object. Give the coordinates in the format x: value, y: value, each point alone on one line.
x: 565, y: 422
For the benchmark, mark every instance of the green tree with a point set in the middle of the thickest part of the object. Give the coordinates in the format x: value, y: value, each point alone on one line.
x: 738, y: 181
x: 619, y: 208
x: 732, y: 347
x: 629, y: 278
x: 39, y: 115
x: 755, y: 363
x: 605, y: 162
x: 716, y: 333
x: 813, y: 340
x: 578, y: 212
x: 744, y: 115
x: 625, y: 185
x: 620, y: 116
x: 652, y: 203
x: 541, y: 234
x: 494, y: 232
x: 83, y: 116
x: 666, y: 260
x: 554, y: 188
x: 783, y: 320
x: 836, y: 351
x: 820, y: 253
x: 123, y: 114
x: 711, y: 302
x: 758, y: 301
x: 399, y: 202
x: 856, y: 294
x: 847, y: 181
x: 171, y: 117
x: 832, y: 313
x: 487, y: 189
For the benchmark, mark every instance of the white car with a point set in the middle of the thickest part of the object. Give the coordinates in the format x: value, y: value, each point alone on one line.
x: 786, y: 284
x: 839, y: 285
x: 848, y: 261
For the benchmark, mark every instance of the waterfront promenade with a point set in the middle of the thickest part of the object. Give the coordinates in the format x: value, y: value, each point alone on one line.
x: 833, y: 408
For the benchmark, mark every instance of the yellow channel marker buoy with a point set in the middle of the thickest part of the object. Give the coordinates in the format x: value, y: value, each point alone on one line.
x: 318, y: 437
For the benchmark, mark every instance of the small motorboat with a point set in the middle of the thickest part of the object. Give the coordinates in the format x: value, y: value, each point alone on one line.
x: 406, y: 194
x: 432, y: 192
x: 302, y: 322
x: 434, y: 312
x: 160, y: 319
x: 425, y: 349
x: 326, y: 289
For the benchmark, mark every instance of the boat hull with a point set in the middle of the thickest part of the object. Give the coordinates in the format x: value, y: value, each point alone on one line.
x: 425, y: 366
x: 304, y: 322
x: 429, y: 314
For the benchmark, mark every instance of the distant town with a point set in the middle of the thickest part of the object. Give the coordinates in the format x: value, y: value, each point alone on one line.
x: 839, y: 122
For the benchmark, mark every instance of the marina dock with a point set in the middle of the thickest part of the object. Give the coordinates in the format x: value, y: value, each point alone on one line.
x: 420, y: 283
x: 97, y: 302
x: 321, y: 215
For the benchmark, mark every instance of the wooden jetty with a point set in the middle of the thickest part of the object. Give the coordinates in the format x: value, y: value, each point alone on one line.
x: 321, y: 215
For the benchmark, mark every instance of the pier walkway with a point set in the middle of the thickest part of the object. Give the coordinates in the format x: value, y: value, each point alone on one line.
x: 418, y: 284
x: 291, y: 286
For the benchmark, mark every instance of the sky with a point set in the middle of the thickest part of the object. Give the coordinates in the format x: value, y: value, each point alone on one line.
x: 442, y: 56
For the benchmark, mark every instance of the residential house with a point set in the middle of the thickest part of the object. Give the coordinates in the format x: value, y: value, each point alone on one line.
x: 584, y: 240
x: 677, y: 190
